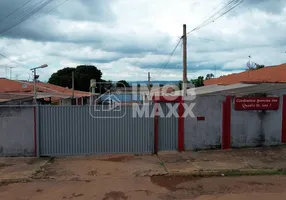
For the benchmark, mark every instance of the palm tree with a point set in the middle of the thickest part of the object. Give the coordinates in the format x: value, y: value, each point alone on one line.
x: 209, y: 76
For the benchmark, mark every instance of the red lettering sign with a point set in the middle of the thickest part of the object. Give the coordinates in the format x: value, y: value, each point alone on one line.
x: 256, y: 103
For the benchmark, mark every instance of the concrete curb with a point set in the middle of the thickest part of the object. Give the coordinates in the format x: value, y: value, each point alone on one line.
x: 16, y: 180
x: 41, y: 167
x: 228, y: 172
x: 29, y: 178
x: 165, y: 166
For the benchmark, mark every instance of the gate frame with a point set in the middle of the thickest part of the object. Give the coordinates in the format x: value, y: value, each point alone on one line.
x: 181, y: 110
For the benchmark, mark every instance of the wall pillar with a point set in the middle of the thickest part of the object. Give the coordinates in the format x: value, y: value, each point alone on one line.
x: 181, y: 126
x: 283, y: 135
x: 226, y: 123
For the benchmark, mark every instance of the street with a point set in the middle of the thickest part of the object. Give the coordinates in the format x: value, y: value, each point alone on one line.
x: 222, y: 188
x: 123, y: 177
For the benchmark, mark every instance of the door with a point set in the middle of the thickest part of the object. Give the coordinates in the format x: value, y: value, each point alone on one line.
x: 167, y: 129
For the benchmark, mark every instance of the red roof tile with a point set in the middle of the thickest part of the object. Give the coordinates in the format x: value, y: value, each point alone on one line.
x: 9, y: 86
x: 271, y: 74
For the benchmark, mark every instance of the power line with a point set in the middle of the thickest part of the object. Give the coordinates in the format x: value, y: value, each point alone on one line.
x: 208, y: 19
x: 15, y: 10
x: 207, y: 39
x: 28, y: 15
x: 226, y: 6
x: 230, y: 9
x: 48, y: 11
x: 56, y: 6
x: 224, y: 10
x: 169, y: 58
x: 13, y: 61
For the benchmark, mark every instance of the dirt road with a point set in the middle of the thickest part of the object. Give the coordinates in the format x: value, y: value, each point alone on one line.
x: 127, y: 177
x: 223, y: 188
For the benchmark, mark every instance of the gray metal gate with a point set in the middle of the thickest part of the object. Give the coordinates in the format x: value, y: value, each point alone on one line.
x: 167, y: 130
x: 75, y: 130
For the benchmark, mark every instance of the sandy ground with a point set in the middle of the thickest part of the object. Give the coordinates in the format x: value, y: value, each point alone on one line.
x: 237, y: 159
x: 222, y: 188
x: 124, y: 177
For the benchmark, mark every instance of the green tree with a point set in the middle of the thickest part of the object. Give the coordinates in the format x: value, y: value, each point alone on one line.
x: 198, y: 82
x: 255, y: 67
x: 180, y: 84
x: 62, y: 77
x: 209, y: 76
x: 82, y: 75
x: 122, y: 83
x: 258, y: 66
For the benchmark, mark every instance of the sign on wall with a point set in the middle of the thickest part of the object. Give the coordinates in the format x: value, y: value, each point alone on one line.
x: 256, y: 103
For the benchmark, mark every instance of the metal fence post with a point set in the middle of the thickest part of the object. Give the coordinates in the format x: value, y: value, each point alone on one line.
x: 38, y: 134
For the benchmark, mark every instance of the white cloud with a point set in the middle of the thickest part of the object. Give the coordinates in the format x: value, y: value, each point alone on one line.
x: 127, y: 39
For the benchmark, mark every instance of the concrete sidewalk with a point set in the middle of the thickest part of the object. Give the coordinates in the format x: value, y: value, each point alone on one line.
x: 19, y: 169
x: 259, y: 161
x: 254, y: 161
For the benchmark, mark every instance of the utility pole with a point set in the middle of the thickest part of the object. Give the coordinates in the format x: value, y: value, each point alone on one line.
x: 215, y: 71
x: 149, y: 80
x: 35, y: 89
x: 185, y: 81
x: 6, y: 71
x: 34, y: 70
x: 10, y: 68
x: 72, y: 86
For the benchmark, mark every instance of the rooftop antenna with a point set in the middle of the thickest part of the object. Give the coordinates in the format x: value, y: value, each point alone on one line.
x: 250, y: 65
x: 214, y: 71
x: 10, y: 68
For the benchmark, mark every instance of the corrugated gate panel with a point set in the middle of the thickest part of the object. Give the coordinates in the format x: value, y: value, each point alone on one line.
x: 168, y: 130
x: 75, y: 130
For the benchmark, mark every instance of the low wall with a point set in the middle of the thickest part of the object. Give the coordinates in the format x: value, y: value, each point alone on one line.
x: 256, y: 127
x: 16, y: 131
x: 204, y: 134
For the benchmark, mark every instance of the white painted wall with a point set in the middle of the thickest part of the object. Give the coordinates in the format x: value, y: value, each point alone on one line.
x: 16, y: 131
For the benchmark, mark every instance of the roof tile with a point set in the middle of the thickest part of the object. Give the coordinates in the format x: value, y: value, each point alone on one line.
x: 9, y: 86
x: 271, y: 74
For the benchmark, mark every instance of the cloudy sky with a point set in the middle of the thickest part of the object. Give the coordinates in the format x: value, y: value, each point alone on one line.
x: 126, y: 39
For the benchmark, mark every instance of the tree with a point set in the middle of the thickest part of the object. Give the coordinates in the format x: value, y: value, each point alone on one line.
x: 82, y: 74
x: 254, y: 66
x: 257, y: 66
x: 62, y: 77
x: 180, y: 84
x: 198, y: 82
x: 122, y: 83
x: 209, y: 76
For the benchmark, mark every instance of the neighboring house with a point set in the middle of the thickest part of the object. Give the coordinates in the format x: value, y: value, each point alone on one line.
x: 15, y: 99
x: 141, y: 95
x: 46, y: 93
x: 271, y: 74
x: 122, y: 95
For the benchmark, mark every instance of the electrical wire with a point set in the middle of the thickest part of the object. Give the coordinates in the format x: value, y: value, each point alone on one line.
x: 169, y: 58
x: 48, y: 11
x: 223, y: 11
x: 231, y: 8
x: 56, y: 7
x: 226, y: 6
x: 31, y: 13
x: 44, y: 13
x: 13, y: 61
x: 15, y: 10
x: 207, y: 39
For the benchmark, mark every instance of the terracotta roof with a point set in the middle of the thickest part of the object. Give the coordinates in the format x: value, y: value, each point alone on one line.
x: 9, y: 86
x: 12, y: 96
x: 271, y: 74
